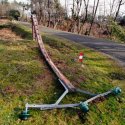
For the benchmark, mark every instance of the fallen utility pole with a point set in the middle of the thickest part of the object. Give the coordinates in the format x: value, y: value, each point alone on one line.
x: 63, y: 80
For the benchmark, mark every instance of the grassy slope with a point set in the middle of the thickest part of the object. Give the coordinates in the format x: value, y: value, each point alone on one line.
x: 118, y: 32
x: 25, y: 77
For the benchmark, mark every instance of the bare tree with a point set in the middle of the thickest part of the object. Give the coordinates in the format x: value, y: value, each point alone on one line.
x: 52, y: 14
x: 86, y: 4
x: 95, y: 7
x: 77, y: 4
x: 59, y: 13
x: 117, y: 12
x: 41, y: 8
x: 49, y: 16
x: 5, y: 7
x: 48, y: 12
x: 112, y: 6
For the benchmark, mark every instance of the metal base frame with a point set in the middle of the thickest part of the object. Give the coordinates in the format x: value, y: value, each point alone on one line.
x: 57, y: 104
x: 63, y: 80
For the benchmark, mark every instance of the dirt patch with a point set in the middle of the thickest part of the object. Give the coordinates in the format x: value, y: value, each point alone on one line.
x: 7, y: 34
x: 10, y: 90
x: 45, y: 80
x: 4, y: 21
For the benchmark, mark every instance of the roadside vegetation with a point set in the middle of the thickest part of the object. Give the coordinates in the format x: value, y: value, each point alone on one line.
x: 96, y: 18
x: 25, y: 77
x: 118, y: 32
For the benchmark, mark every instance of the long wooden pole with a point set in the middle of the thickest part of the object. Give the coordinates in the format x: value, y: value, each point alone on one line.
x: 60, y: 76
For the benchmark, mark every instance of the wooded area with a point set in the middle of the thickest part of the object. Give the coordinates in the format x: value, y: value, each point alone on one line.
x: 14, y: 9
x: 97, y: 18
x: 80, y: 16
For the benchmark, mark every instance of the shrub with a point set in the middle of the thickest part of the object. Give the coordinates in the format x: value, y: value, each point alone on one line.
x: 122, y: 21
x: 15, y: 14
x: 117, y: 31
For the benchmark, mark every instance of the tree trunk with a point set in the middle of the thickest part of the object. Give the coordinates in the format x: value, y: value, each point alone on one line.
x: 86, y: 16
x: 120, y: 3
x: 49, y: 16
x: 95, y: 11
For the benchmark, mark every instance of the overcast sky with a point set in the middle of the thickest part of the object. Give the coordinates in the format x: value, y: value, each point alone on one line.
x: 101, y: 6
x: 100, y: 9
x: 18, y: 0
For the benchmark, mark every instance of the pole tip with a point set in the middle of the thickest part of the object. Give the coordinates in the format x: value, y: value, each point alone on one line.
x: 84, y: 107
x: 116, y: 91
x: 24, y: 115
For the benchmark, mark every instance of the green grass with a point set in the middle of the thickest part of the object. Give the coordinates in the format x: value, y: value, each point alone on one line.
x: 25, y: 77
x: 118, y: 32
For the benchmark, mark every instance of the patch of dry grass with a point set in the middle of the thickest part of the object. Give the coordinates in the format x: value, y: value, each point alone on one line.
x: 4, y: 21
x: 7, y: 34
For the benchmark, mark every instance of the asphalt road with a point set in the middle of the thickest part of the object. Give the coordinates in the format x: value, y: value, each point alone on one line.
x: 113, y: 49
